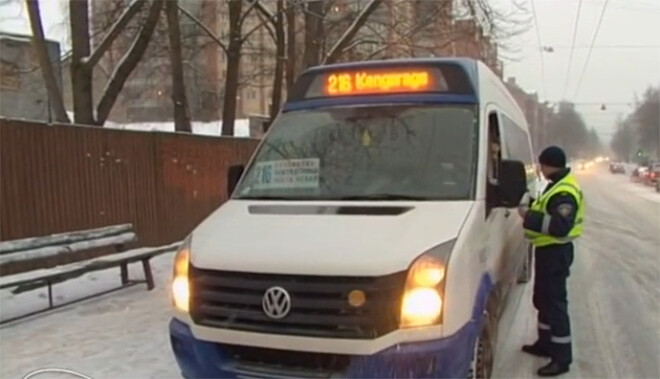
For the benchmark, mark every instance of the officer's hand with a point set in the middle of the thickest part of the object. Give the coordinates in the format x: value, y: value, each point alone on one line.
x: 526, y: 200
x: 522, y: 210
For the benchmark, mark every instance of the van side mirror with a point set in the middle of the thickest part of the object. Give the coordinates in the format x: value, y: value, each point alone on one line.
x: 512, y: 183
x: 233, y: 176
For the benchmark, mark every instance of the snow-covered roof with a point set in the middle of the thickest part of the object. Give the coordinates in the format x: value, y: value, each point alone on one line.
x: 211, y: 128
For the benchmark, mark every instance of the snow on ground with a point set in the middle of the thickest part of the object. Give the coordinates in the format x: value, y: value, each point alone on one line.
x: 119, y: 335
x: 614, y: 300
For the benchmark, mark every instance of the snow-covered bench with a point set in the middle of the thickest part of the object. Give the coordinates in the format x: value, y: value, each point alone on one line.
x: 67, y: 244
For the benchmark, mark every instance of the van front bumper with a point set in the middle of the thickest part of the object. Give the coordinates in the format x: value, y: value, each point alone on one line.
x: 448, y: 357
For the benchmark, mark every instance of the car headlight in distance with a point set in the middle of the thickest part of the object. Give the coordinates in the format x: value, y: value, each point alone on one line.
x: 180, y: 283
x: 423, y: 295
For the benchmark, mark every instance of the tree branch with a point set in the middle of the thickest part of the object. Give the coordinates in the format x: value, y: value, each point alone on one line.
x: 39, y: 45
x: 251, y: 6
x: 263, y: 12
x: 351, y: 31
x: 128, y: 63
x: 254, y: 29
x: 360, y: 42
x: 204, y: 27
x: 116, y: 29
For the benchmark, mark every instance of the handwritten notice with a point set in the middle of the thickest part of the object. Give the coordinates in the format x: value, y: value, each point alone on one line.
x: 292, y: 173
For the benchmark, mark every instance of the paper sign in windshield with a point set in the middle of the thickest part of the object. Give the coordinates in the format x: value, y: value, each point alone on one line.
x: 292, y: 173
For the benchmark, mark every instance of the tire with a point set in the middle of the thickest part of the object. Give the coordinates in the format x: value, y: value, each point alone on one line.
x: 483, y: 357
x: 527, y: 268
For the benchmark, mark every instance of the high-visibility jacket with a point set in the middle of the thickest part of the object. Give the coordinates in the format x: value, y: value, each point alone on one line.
x: 566, y: 184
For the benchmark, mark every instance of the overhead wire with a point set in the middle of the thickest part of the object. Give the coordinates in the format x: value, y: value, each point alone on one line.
x: 570, y: 57
x: 591, y: 49
x: 538, y: 39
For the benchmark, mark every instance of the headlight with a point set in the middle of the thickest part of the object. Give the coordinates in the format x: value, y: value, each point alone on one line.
x: 180, y: 284
x: 422, y: 298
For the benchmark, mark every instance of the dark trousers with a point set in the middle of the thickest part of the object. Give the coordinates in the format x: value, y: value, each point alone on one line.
x: 550, y: 300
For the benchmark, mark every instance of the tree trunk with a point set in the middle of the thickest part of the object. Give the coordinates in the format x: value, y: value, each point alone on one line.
x: 233, y: 62
x: 280, y: 49
x: 81, y: 73
x: 56, y: 103
x: 291, y: 45
x: 128, y: 62
x: 179, y: 100
x: 313, y: 33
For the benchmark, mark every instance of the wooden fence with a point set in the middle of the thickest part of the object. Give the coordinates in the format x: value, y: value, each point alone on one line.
x: 59, y: 178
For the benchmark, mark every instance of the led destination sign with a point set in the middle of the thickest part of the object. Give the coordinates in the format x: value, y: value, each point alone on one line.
x: 365, y: 82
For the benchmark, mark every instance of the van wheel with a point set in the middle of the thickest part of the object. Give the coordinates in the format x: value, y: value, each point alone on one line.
x: 526, y: 271
x: 484, y: 352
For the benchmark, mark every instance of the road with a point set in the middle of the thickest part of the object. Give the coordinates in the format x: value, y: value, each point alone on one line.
x: 614, y: 295
x: 614, y: 289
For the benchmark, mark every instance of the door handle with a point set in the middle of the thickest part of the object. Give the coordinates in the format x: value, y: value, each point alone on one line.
x: 507, y: 213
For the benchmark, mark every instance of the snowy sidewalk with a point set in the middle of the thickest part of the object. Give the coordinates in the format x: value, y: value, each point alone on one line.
x: 120, y: 335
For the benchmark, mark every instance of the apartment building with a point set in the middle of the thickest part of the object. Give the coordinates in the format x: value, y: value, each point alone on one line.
x: 398, y: 28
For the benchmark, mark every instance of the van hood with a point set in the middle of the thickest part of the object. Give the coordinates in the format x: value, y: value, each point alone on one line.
x: 356, y: 239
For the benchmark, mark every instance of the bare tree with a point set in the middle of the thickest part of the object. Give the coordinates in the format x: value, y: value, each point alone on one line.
x: 280, y: 52
x: 128, y: 62
x: 39, y: 44
x: 291, y: 44
x: 315, y: 11
x: 179, y: 99
x: 350, y: 32
x: 83, y: 58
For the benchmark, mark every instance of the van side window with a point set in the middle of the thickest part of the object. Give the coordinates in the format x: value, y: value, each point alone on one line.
x: 493, y: 161
x: 494, y: 148
x: 517, y: 142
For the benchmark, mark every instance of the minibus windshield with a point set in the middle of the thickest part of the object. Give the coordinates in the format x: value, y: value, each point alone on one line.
x: 393, y: 152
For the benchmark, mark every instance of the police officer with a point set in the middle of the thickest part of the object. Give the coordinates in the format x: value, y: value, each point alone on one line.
x: 551, y: 223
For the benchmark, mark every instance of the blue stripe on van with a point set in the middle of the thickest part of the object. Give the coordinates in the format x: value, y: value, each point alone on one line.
x: 381, y: 99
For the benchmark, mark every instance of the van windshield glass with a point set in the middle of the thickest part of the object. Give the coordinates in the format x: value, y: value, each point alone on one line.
x: 367, y: 153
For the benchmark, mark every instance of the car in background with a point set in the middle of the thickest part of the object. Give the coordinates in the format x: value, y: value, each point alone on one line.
x: 639, y: 174
x: 617, y: 168
x: 580, y: 164
x: 653, y: 174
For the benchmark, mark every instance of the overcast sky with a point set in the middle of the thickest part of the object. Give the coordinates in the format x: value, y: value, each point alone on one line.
x: 624, y: 61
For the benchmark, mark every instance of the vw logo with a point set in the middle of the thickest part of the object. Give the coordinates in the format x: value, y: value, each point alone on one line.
x: 276, y: 303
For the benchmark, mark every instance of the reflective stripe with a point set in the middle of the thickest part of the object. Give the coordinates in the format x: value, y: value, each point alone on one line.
x: 545, y: 224
x: 555, y: 339
x: 543, y: 326
x: 570, y: 185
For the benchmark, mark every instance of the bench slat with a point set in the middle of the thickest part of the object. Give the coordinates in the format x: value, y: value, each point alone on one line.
x: 34, y: 279
x: 9, y: 247
x: 51, y: 251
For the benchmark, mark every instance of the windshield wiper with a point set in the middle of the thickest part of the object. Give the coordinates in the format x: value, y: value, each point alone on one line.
x: 263, y: 198
x: 384, y: 196
x: 289, y: 198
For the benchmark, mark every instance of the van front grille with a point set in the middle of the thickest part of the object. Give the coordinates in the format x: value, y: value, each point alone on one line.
x: 319, y: 304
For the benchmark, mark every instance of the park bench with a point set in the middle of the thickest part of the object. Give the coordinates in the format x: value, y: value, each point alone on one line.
x: 66, y: 245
